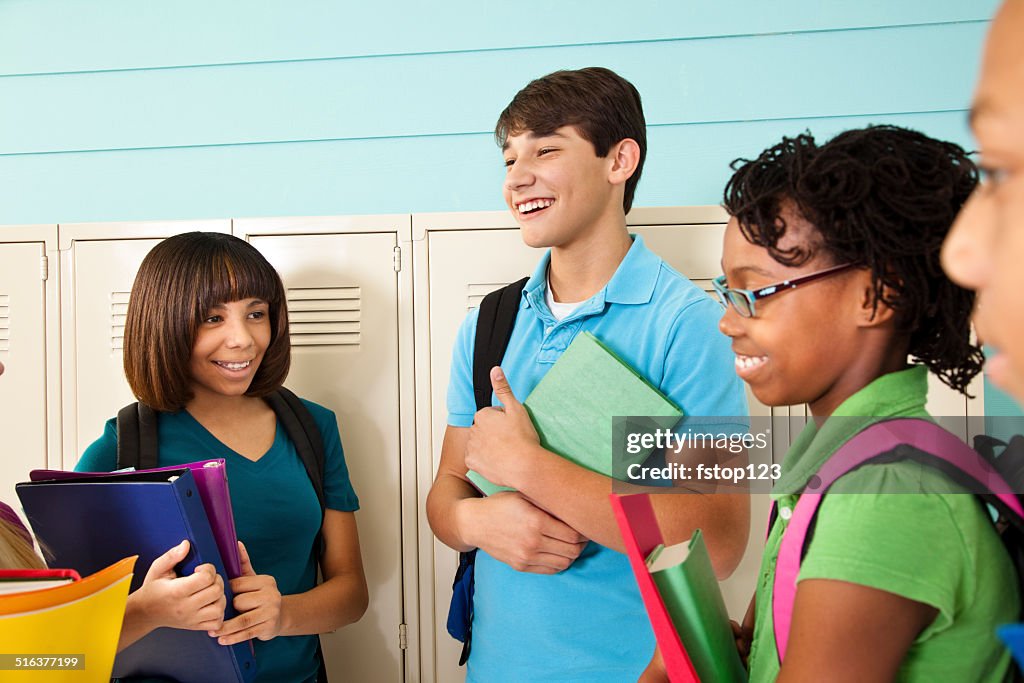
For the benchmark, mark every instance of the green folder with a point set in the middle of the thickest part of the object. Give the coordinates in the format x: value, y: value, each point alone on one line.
x: 573, y: 405
x: 690, y: 591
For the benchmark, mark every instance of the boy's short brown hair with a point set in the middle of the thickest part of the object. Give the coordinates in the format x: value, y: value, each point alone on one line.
x: 603, y: 106
x: 179, y: 281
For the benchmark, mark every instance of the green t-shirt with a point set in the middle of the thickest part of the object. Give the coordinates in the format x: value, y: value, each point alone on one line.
x: 933, y: 546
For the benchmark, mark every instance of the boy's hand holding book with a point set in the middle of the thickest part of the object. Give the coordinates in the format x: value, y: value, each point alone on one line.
x: 502, y: 440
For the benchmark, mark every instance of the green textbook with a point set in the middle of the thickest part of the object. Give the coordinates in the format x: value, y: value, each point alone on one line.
x: 573, y: 405
x: 689, y: 589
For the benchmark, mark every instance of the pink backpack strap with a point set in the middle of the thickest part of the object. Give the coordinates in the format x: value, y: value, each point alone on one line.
x: 878, y: 439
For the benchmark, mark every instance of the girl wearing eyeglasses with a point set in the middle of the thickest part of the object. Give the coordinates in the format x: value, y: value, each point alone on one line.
x: 831, y: 282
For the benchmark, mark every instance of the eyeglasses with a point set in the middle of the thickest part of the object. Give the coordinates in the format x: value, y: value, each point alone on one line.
x: 742, y: 300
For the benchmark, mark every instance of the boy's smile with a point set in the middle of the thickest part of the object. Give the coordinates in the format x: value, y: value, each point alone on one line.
x: 557, y: 188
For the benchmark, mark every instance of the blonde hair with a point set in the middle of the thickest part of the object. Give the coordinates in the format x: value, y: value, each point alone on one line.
x: 15, y: 552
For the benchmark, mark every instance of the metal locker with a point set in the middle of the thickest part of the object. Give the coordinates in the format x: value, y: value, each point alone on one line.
x: 98, y: 266
x: 343, y: 277
x: 29, y: 396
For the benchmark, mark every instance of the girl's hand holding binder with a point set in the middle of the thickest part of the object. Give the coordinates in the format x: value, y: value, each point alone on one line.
x: 258, y: 602
x: 194, y: 603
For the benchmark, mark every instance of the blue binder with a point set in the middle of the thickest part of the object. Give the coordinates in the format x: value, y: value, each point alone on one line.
x: 90, y: 523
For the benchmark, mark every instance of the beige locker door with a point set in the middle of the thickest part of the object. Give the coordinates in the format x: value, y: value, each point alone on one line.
x: 460, y: 276
x: 98, y: 263
x: 102, y: 277
x: 343, y: 310
x: 23, y: 353
x: 949, y: 406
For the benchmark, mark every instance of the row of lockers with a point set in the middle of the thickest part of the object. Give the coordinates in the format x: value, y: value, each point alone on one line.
x: 375, y: 302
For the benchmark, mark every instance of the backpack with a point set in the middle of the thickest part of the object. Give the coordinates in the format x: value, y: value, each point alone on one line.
x: 137, y: 446
x: 895, y: 440
x: 494, y: 326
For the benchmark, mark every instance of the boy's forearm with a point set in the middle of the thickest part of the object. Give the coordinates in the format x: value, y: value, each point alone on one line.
x: 579, y: 498
x: 571, y: 493
x: 448, y: 492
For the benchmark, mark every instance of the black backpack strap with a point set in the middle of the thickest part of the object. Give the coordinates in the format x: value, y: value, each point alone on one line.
x: 494, y: 326
x: 137, y: 438
x: 302, y: 429
x: 493, y: 331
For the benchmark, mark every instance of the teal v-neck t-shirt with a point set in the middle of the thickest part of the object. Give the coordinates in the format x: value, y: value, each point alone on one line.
x: 276, y: 512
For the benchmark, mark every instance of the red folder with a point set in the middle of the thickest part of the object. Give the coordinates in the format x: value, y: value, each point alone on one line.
x: 641, y: 535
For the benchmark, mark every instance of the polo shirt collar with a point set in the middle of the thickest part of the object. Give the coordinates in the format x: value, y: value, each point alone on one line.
x: 896, y: 394
x: 632, y: 283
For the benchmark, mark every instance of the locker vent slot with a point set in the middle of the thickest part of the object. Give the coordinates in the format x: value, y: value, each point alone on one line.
x: 478, y: 290
x: 5, y: 323
x: 325, y: 316
x: 118, y: 313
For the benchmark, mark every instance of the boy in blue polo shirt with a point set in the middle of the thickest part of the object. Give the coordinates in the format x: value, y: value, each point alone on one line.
x: 549, y: 604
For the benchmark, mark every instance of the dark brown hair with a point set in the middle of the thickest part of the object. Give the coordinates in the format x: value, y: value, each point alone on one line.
x: 602, y: 105
x: 179, y: 281
x: 882, y: 198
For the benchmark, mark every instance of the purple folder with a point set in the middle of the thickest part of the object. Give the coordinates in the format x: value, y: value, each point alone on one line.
x: 212, y: 482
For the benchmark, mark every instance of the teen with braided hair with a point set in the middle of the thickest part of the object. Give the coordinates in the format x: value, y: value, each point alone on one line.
x: 904, y: 578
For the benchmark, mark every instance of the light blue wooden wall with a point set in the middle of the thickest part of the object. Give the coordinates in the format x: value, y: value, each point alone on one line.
x: 131, y: 109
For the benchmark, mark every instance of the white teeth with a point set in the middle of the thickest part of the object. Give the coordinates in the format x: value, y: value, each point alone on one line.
x: 234, y: 366
x: 526, y: 207
x: 750, y: 362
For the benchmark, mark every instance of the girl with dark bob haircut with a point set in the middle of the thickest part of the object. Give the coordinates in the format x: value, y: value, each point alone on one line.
x: 178, y: 283
x: 206, y: 340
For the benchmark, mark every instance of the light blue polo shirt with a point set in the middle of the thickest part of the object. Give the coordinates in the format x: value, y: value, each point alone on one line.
x: 588, y: 623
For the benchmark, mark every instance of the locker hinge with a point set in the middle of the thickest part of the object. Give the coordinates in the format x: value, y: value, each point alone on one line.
x: 403, y: 632
x: 44, y: 267
x: 398, y: 259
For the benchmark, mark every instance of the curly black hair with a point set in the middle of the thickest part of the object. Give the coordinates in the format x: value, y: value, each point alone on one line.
x: 882, y: 198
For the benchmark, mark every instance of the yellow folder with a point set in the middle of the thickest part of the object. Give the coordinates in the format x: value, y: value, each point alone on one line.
x: 49, y: 628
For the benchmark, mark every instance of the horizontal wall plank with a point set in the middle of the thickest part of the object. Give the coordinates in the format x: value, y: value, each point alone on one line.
x: 729, y: 79
x: 72, y: 35
x: 688, y: 164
